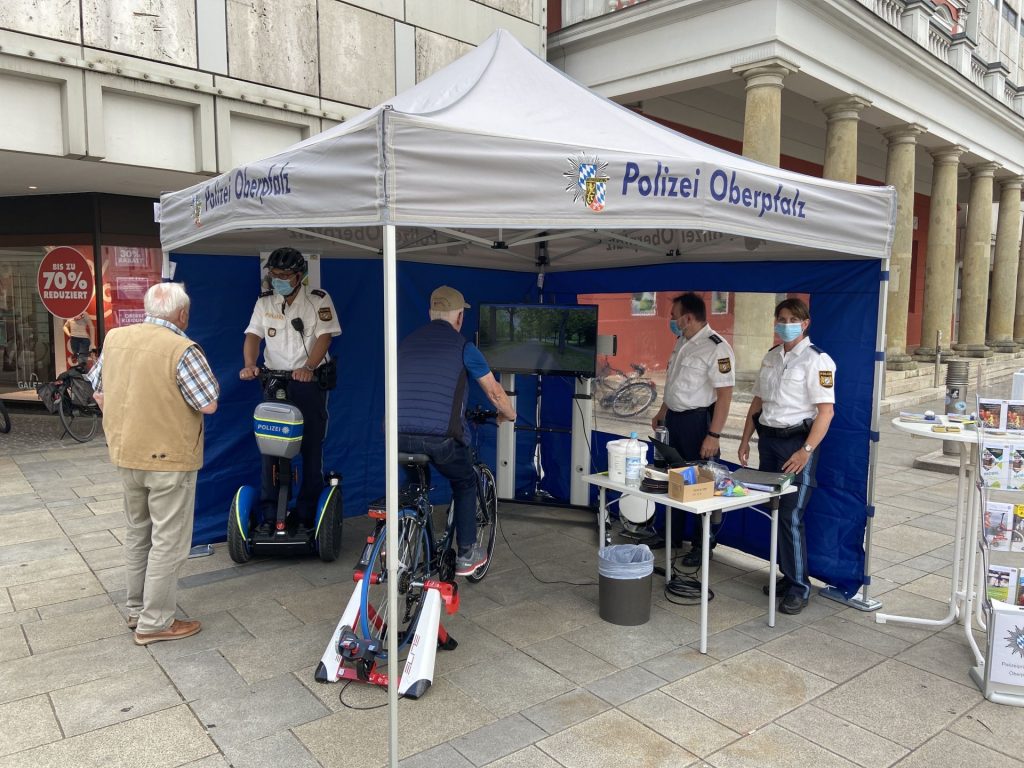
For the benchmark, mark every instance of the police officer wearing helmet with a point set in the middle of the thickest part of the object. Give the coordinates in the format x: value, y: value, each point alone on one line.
x: 435, y: 364
x: 698, y: 393
x: 297, y: 325
x: 793, y: 405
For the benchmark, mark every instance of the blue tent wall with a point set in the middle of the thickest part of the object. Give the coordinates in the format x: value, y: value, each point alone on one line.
x: 223, y: 290
x: 844, y: 311
x: 844, y: 300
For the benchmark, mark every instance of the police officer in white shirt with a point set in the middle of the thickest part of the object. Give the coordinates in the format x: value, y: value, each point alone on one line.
x: 297, y: 325
x: 698, y: 392
x: 793, y: 405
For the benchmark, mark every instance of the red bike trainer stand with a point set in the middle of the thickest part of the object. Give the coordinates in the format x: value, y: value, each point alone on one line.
x: 349, y: 657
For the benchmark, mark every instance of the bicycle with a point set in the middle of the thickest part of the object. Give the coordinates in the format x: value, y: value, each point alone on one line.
x: 70, y: 397
x: 627, y: 394
x: 425, y: 562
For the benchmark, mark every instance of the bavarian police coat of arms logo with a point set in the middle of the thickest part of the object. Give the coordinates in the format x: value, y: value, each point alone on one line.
x: 588, y: 181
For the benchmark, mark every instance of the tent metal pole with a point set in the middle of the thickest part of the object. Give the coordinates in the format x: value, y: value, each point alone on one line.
x: 861, y: 601
x: 391, y: 473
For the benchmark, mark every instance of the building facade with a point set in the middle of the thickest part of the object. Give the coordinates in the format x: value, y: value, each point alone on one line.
x: 108, y: 103
x: 924, y: 95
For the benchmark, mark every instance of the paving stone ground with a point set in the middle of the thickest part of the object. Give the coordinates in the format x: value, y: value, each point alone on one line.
x: 538, y: 679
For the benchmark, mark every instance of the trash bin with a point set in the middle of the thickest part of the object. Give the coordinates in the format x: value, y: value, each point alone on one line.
x: 624, y: 584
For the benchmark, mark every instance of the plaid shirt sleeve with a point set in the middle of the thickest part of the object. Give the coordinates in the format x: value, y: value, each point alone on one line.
x: 196, y: 381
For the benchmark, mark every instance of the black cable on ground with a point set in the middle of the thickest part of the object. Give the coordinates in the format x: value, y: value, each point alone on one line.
x: 535, y: 576
x: 345, y: 704
x: 681, y: 585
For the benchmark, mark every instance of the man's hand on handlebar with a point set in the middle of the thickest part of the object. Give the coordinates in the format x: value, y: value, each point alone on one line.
x: 249, y: 372
x: 502, y: 418
x: 302, y: 374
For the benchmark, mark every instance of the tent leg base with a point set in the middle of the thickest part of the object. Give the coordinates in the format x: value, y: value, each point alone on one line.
x: 853, y: 602
x: 202, y: 550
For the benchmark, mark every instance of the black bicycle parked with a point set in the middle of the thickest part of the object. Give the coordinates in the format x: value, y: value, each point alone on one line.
x: 70, y: 397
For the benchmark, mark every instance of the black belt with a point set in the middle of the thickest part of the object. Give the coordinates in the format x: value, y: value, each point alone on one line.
x: 694, y: 410
x: 802, y: 429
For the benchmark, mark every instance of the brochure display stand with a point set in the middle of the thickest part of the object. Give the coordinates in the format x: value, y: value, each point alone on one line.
x: 1000, y: 544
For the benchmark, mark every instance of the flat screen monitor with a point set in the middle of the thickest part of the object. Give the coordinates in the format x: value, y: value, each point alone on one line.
x: 539, y: 338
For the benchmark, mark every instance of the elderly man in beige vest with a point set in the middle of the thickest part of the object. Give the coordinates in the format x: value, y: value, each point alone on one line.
x: 154, y: 385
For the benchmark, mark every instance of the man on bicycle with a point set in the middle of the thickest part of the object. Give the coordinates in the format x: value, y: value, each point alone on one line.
x: 435, y: 363
x: 296, y: 325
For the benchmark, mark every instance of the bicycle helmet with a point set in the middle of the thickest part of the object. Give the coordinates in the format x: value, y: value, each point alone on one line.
x: 288, y: 259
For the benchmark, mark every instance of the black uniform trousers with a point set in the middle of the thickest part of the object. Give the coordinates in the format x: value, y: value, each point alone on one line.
x: 774, y: 452
x: 309, y: 398
x: 686, y: 433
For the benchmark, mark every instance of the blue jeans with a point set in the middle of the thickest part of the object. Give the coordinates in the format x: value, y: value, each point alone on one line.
x: 454, y: 461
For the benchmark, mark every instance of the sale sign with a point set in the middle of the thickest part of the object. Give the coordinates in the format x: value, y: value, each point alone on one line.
x: 65, y: 282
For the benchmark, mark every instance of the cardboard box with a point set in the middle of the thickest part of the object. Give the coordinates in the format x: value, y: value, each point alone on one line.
x: 704, y: 488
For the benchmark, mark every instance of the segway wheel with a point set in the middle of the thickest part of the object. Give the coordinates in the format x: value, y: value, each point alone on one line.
x: 238, y: 546
x: 328, y: 532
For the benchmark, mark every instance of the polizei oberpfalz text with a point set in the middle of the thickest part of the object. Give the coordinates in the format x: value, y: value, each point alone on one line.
x: 721, y: 186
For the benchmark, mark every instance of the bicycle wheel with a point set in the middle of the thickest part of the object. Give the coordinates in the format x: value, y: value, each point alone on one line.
x: 611, y: 381
x: 80, y: 423
x: 5, y: 419
x: 486, y: 517
x: 633, y: 399
x: 413, y: 551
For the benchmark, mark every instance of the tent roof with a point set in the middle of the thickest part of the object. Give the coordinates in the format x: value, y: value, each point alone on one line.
x: 501, y: 148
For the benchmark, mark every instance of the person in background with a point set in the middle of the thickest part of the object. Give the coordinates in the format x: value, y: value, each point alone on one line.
x: 296, y: 325
x: 80, y: 332
x: 698, y: 393
x: 154, y: 385
x: 794, y: 401
x: 435, y: 363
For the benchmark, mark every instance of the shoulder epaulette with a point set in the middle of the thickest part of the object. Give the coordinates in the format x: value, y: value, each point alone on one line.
x: 715, y: 338
x: 318, y: 292
x: 817, y: 349
x: 266, y: 293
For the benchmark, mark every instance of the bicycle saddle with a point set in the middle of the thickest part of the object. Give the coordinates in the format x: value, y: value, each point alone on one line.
x: 413, y: 459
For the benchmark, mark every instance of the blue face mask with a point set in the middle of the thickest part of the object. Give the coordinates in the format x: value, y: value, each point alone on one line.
x: 282, y: 287
x: 788, y: 331
x: 674, y: 327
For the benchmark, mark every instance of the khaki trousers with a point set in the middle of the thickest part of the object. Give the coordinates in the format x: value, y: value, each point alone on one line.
x: 159, y: 510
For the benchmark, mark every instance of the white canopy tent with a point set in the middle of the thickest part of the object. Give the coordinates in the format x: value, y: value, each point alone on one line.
x: 498, y: 152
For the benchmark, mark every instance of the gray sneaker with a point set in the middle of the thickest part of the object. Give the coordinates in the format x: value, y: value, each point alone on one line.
x: 469, y: 560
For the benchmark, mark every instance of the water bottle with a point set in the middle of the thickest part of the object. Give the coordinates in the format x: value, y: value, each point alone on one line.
x: 634, y: 461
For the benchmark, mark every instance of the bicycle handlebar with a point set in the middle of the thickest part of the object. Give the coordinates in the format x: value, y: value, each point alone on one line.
x: 479, y: 416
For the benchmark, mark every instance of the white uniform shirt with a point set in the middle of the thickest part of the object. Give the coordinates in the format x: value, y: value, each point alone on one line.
x: 287, y: 349
x: 791, y: 383
x: 698, y: 367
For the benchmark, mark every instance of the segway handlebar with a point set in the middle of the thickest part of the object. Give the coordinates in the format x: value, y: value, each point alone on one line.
x: 270, y: 373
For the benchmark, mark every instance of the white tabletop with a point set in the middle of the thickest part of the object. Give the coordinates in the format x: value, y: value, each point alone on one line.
x: 702, y: 507
x: 919, y: 429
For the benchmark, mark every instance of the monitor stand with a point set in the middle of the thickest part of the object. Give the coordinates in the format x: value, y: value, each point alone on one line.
x: 582, y: 432
x: 506, y: 448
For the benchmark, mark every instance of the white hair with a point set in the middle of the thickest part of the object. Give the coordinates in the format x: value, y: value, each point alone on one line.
x: 165, y: 300
x: 451, y: 315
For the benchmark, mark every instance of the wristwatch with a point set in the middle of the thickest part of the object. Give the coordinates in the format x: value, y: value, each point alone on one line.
x: 808, y: 447
x: 715, y: 435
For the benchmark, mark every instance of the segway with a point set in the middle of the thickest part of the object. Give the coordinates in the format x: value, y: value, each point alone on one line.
x: 277, y: 424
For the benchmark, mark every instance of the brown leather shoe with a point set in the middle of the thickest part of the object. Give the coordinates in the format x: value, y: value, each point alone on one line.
x: 178, y: 630
x: 133, y: 621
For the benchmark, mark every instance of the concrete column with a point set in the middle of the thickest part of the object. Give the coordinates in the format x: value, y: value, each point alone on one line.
x: 762, y: 140
x: 940, y: 264
x: 1004, y: 274
x: 977, y: 262
x: 841, y: 137
x: 1018, y: 308
x: 899, y: 172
